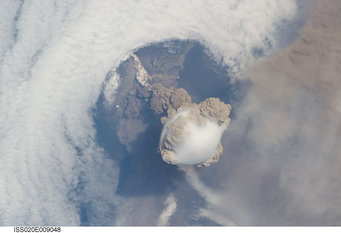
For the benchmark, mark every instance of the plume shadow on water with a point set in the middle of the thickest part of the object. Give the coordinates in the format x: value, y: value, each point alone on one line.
x: 142, y: 171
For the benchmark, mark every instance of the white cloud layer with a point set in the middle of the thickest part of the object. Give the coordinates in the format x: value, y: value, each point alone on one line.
x: 200, y: 143
x: 169, y: 210
x: 54, y: 58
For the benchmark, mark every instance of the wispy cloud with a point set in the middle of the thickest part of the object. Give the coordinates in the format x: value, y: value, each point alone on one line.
x: 282, y: 151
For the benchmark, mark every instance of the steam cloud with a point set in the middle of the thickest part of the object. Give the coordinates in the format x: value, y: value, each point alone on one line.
x: 200, y: 143
x: 191, y: 135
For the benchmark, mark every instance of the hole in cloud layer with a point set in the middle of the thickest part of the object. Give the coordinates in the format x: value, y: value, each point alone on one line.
x: 137, y: 152
x: 133, y: 141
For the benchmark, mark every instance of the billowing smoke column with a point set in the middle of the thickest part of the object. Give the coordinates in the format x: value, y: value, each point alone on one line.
x: 191, y: 134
